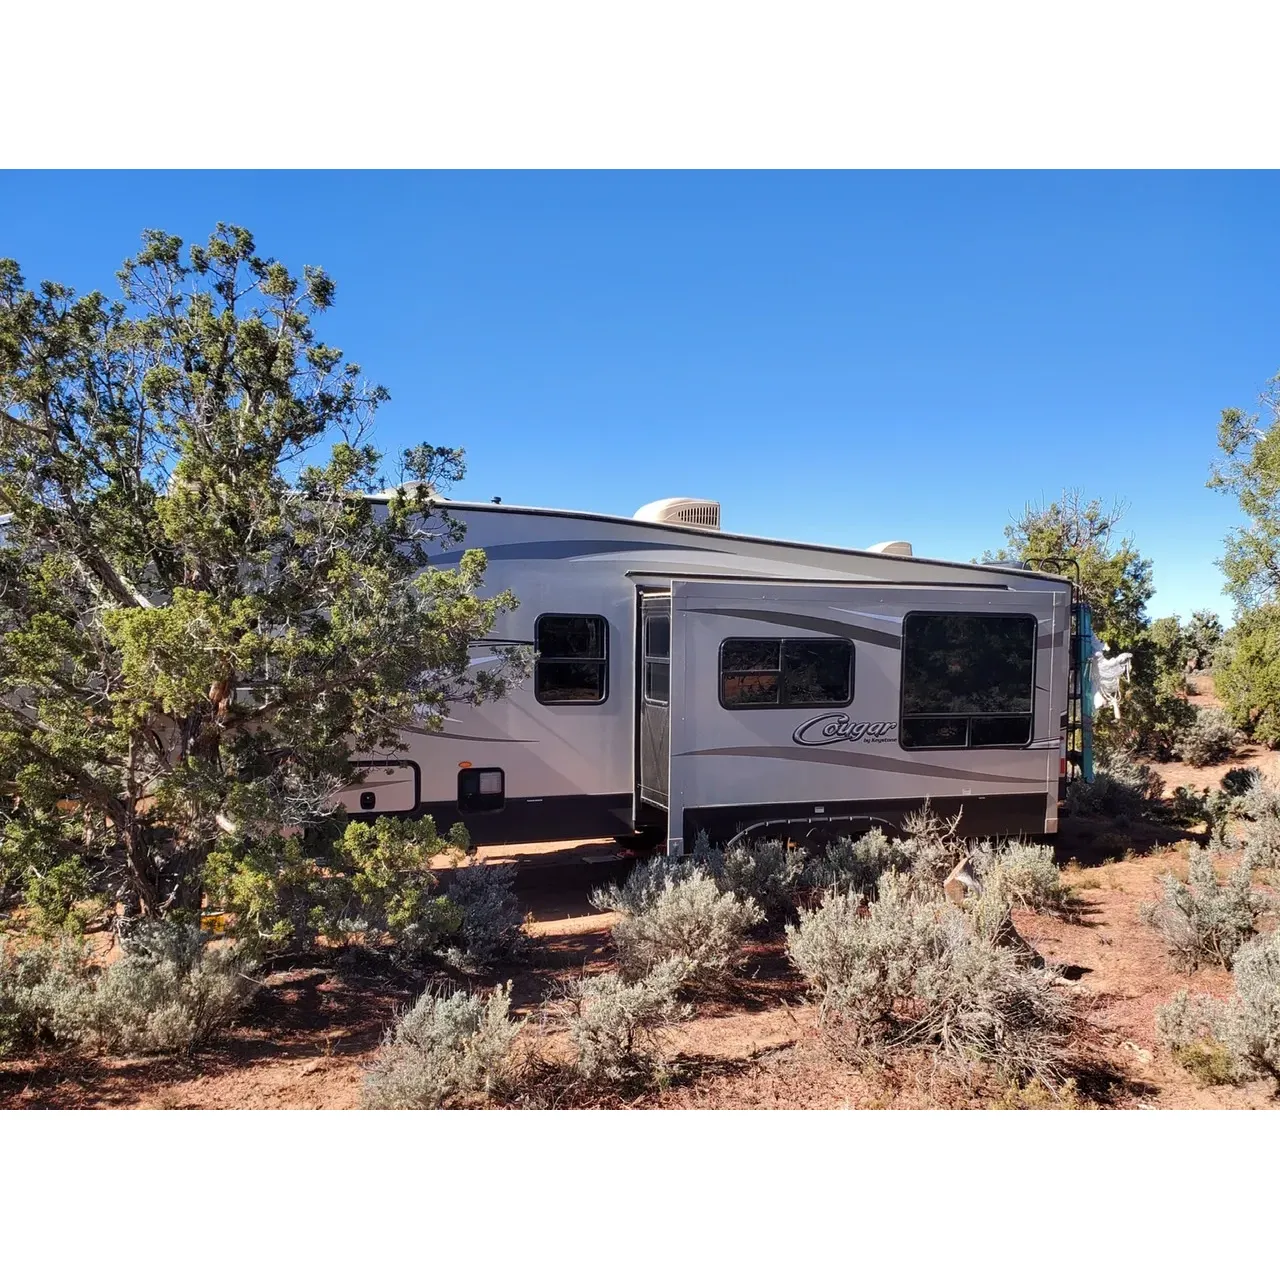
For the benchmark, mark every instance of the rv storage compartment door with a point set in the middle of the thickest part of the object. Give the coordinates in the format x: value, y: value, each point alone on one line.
x: 389, y: 787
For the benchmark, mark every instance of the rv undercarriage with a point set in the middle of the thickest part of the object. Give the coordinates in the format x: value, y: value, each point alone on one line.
x: 1021, y: 814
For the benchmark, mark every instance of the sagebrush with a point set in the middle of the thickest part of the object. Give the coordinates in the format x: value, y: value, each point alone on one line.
x: 444, y: 1049
x: 1125, y: 790
x: 1237, y: 1039
x: 46, y: 994
x: 1204, y: 920
x: 1208, y: 739
x: 691, y: 920
x: 855, y: 865
x: 485, y: 898
x: 911, y: 970
x: 1021, y: 873
x: 616, y: 1026
x: 171, y: 991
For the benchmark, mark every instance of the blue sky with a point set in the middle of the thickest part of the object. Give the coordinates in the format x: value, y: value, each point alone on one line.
x: 836, y: 357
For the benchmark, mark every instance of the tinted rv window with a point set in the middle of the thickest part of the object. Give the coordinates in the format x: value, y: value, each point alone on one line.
x: 817, y: 673
x: 572, y: 658
x: 968, y: 680
x: 786, y: 673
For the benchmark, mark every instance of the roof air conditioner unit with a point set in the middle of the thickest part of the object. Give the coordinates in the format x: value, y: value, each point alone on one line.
x: 891, y: 549
x: 701, y: 513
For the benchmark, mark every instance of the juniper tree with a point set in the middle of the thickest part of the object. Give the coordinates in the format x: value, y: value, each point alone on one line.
x: 1116, y: 581
x: 202, y: 618
x: 1248, y: 675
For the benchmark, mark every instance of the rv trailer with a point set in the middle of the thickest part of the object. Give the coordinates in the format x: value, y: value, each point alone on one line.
x: 690, y: 680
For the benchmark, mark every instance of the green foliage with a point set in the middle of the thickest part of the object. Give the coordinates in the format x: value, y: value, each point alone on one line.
x: 378, y: 881
x: 1114, y: 579
x: 1202, y: 920
x: 201, y: 617
x: 1248, y: 468
x: 1247, y: 680
x: 387, y: 864
x: 1201, y: 638
x: 1209, y: 1060
x: 445, y: 1049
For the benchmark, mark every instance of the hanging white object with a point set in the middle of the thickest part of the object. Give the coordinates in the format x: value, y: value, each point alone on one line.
x: 1105, y: 674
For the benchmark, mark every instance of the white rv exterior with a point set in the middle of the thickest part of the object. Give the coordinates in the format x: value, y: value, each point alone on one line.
x: 588, y: 747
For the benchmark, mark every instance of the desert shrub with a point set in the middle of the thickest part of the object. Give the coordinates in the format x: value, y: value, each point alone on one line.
x: 691, y: 920
x: 766, y: 873
x: 642, y: 887
x: 912, y: 970
x: 615, y: 1026
x: 171, y: 991
x: 1035, y: 1095
x: 1236, y: 782
x: 444, y: 1048
x: 1202, y: 920
x: 1207, y: 739
x: 1260, y: 804
x: 855, y: 866
x: 1186, y: 806
x: 1227, y: 1041
x: 1124, y: 790
x: 46, y: 994
x: 490, y: 913
x: 929, y: 848
x: 1021, y: 873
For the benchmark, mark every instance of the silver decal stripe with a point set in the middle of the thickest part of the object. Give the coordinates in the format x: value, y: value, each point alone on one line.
x: 574, y: 549
x: 465, y: 737
x: 860, y: 760
x: 801, y: 622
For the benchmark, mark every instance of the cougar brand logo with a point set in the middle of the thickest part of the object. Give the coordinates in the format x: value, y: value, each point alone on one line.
x: 838, y: 727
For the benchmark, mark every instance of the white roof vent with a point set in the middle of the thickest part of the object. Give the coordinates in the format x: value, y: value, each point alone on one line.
x: 891, y: 549
x: 702, y: 513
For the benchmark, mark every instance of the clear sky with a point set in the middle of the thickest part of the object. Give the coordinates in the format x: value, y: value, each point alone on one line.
x: 836, y: 357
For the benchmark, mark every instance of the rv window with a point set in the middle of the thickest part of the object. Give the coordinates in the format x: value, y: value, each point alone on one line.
x: 657, y: 681
x: 750, y: 672
x: 572, y: 658
x: 968, y: 680
x: 657, y: 637
x: 786, y: 673
x: 817, y: 673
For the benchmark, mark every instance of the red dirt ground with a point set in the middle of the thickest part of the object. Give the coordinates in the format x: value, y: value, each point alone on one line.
x: 315, y: 1023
